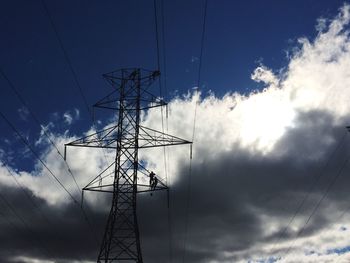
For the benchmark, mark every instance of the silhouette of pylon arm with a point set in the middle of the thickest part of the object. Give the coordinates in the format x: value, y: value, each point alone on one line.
x: 108, y: 188
x: 120, y: 76
x: 98, y: 184
x: 147, y: 138
x: 147, y: 101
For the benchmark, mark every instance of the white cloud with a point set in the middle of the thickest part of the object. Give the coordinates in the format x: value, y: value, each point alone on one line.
x: 69, y: 117
x: 316, y: 79
x: 265, y: 75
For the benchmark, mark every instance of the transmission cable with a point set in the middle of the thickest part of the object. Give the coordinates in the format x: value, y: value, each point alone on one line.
x: 26, y: 226
x: 75, y: 77
x: 157, y: 34
x: 28, y: 196
x: 193, y: 133
x: 36, y: 155
x: 69, y: 63
x: 25, y: 142
x: 167, y: 179
x: 15, y: 90
x: 12, y: 86
x: 159, y: 66
x: 164, y: 50
x: 320, y: 174
x: 321, y: 199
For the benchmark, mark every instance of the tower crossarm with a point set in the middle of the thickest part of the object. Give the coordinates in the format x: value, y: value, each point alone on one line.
x: 147, y: 101
x: 149, y: 138
x: 108, y: 138
x: 103, y: 183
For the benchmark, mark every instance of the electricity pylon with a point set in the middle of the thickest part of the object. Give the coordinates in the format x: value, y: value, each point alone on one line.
x: 130, y: 96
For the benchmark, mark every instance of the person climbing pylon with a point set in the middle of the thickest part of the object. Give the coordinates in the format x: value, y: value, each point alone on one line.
x: 155, y: 182
x: 151, y: 179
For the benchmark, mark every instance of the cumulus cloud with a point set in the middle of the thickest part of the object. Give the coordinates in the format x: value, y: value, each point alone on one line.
x: 69, y: 117
x: 256, y: 158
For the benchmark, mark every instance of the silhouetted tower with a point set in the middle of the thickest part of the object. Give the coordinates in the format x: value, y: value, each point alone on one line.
x: 130, y: 96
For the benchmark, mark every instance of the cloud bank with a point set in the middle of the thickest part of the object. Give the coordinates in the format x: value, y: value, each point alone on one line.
x: 256, y: 159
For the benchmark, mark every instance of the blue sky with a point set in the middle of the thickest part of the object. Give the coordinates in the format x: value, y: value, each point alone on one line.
x: 103, y: 36
x: 258, y: 145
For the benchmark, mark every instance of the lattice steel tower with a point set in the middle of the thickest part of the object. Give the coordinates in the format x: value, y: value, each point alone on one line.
x: 130, y: 96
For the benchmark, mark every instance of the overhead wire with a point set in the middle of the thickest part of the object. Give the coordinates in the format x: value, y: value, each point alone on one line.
x: 21, y: 137
x: 319, y: 202
x: 318, y: 177
x: 69, y: 63
x: 70, y: 66
x: 75, y: 77
x: 156, y: 31
x: 69, y: 170
x: 27, y: 226
x: 340, y: 256
x: 163, y: 97
x: 187, y: 209
x: 27, y: 144
x: 43, y: 129
x: 29, y: 197
x: 160, y: 81
x: 164, y: 48
x: 166, y: 153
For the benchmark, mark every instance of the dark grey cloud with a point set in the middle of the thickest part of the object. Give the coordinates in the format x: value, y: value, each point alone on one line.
x: 230, y: 193
x: 229, y: 196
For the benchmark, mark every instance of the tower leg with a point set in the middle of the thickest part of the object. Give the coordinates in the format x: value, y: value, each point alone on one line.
x: 121, y: 238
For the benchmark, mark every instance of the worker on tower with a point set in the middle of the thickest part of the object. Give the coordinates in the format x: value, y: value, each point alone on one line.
x: 151, y: 179
x: 155, y: 74
x: 155, y: 182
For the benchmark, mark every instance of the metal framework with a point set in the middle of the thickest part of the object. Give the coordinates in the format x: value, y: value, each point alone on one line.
x: 130, y: 95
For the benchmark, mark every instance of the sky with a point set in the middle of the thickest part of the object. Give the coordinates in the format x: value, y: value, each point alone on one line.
x: 270, y: 154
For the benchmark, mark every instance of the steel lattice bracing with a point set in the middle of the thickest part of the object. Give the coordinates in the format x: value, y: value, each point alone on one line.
x: 121, y: 241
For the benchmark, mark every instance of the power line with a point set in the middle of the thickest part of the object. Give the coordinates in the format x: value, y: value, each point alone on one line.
x: 26, y: 226
x: 69, y: 170
x: 164, y: 48
x: 68, y: 61
x: 193, y: 132
x: 160, y: 82
x: 311, y: 188
x: 50, y: 171
x: 167, y: 179
x: 36, y: 155
x: 31, y: 199
x: 165, y: 95
x: 12, y: 86
x: 202, y: 44
x: 156, y: 31
x: 326, y: 192
x: 75, y: 77
x: 338, y: 219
